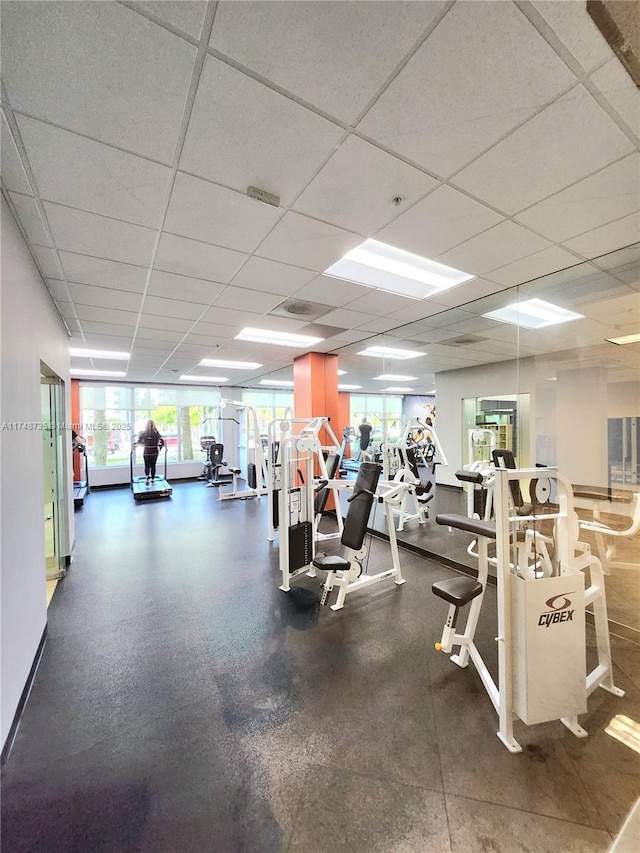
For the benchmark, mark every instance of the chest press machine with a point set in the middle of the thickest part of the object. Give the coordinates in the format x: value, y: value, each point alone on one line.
x: 541, y: 620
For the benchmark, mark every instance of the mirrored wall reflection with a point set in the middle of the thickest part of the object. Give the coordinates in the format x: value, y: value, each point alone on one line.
x: 555, y: 378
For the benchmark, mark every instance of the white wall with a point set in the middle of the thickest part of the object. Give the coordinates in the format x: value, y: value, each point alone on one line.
x: 31, y: 331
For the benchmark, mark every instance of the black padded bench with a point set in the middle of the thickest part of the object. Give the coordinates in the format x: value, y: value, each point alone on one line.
x: 460, y: 591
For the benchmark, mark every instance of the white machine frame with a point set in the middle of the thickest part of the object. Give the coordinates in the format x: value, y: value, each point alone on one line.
x: 255, y: 456
x: 606, y: 536
x: 516, y: 662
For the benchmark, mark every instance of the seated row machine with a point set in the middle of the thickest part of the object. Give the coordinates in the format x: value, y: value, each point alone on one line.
x: 541, y: 637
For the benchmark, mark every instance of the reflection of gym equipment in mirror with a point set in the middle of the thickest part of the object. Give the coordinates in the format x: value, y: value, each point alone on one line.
x: 622, y: 509
x: 417, y: 447
x: 541, y: 620
x: 140, y: 486
x: 80, y: 487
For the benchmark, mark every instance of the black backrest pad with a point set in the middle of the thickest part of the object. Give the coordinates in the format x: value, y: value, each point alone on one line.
x: 355, y: 525
x: 411, y: 462
x: 216, y: 453
x: 320, y: 500
x: 505, y: 459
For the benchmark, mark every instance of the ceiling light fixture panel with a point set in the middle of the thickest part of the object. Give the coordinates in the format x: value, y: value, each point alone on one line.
x: 393, y: 270
x: 394, y: 377
x: 110, y: 373
x: 214, y: 379
x: 389, y: 352
x: 80, y: 352
x: 230, y: 365
x: 623, y: 340
x: 284, y: 383
x: 533, y: 314
x: 283, y: 339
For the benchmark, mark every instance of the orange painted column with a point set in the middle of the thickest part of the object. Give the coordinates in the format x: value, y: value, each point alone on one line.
x: 315, y: 391
x: 75, y: 420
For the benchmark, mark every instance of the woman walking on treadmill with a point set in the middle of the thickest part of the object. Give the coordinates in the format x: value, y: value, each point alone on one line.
x: 151, y: 441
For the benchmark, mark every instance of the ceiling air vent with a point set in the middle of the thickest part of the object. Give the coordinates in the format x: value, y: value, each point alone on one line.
x: 463, y: 340
x: 301, y: 309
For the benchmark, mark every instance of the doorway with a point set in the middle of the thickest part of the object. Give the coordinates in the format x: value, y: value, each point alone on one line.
x: 52, y: 415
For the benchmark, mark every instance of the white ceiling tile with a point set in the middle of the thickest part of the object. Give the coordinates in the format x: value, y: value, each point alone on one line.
x: 263, y: 274
x: 75, y: 171
x: 243, y: 299
x: 439, y: 222
x: 59, y: 290
x: 380, y: 324
x: 565, y: 142
x: 575, y: 28
x: 113, y: 316
x: 85, y: 294
x: 158, y: 331
x: 419, y: 311
x: 533, y: 266
x: 494, y: 248
x: 100, y: 272
x: 608, y: 195
x: 305, y: 242
x: 356, y: 188
x: 196, y: 259
x: 311, y: 49
x: 482, y: 71
x: 230, y: 319
x: 214, y: 214
x: 343, y: 318
x: 169, y: 324
x: 187, y: 15
x: 616, y: 85
x: 46, y: 261
x: 172, y: 308
x: 328, y: 290
x: 95, y: 341
x: 93, y: 327
x: 89, y: 234
x: 608, y: 238
x: 14, y: 176
x: 91, y: 79
x: 378, y: 302
x: 30, y: 219
x: 67, y: 309
x: 469, y: 291
x: 172, y: 286
x: 222, y: 144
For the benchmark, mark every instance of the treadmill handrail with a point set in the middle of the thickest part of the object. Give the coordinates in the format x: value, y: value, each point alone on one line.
x: 135, y: 443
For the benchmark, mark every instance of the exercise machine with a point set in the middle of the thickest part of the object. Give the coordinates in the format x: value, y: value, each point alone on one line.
x: 419, y: 491
x: 541, y: 620
x: 302, y: 456
x: 80, y: 487
x: 256, y: 478
x: 142, y: 490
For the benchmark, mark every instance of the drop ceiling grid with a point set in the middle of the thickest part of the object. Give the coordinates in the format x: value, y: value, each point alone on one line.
x: 91, y: 236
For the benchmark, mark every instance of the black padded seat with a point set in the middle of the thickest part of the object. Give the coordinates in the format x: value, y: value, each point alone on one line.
x: 332, y: 563
x: 458, y: 591
x: 469, y: 476
x: 472, y: 525
x: 235, y: 470
x: 422, y: 491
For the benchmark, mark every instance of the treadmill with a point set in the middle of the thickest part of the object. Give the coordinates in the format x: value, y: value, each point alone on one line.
x: 153, y: 491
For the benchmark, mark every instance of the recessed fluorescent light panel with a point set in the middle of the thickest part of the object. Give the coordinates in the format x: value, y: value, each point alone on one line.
x: 214, y: 379
x: 625, y: 339
x: 387, y: 352
x: 284, y: 383
x: 349, y: 387
x: 98, y: 353
x: 230, y: 365
x: 283, y: 339
x: 342, y: 373
x: 97, y: 372
x: 393, y: 377
x: 393, y: 270
x: 398, y: 390
x: 533, y: 314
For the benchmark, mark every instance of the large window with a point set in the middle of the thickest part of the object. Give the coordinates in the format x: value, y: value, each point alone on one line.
x: 112, y: 415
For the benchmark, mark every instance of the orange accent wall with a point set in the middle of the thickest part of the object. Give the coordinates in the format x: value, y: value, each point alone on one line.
x: 75, y: 420
x: 315, y: 392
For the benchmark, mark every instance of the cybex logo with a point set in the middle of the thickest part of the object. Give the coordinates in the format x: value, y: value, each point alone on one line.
x: 559, y: 612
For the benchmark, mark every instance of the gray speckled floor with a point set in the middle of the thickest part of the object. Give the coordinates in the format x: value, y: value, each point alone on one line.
x: 185, y: 703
